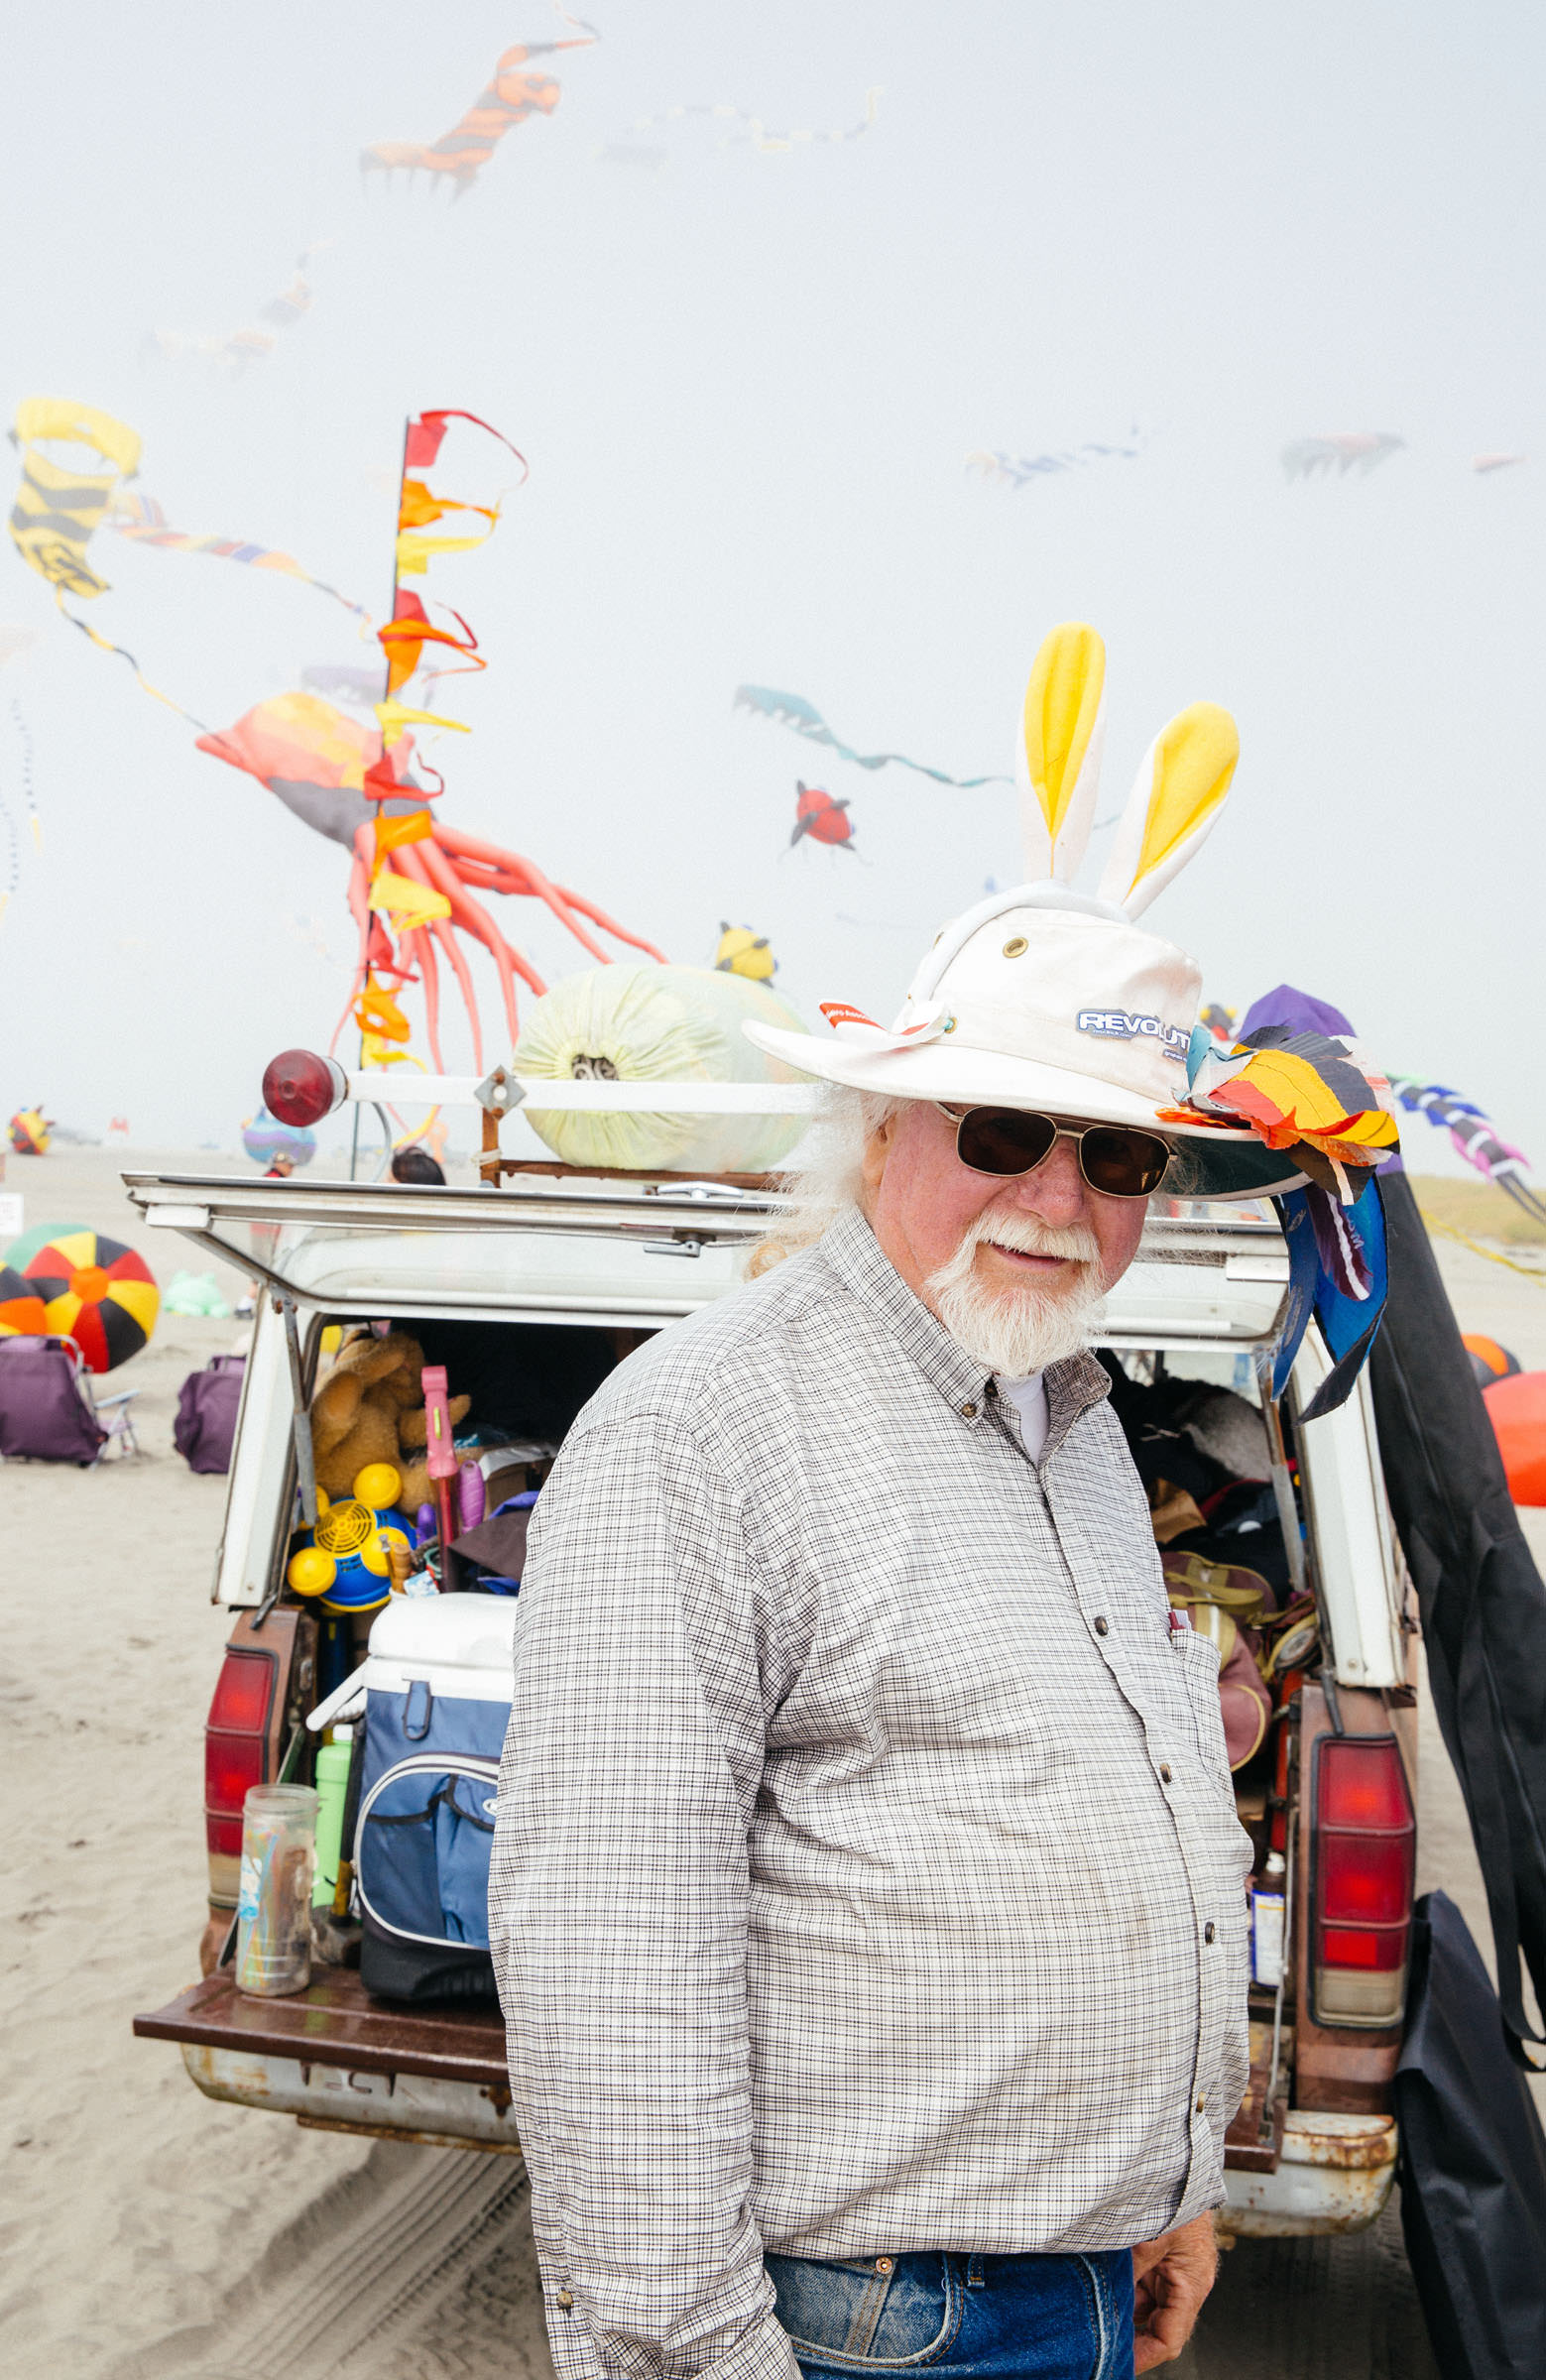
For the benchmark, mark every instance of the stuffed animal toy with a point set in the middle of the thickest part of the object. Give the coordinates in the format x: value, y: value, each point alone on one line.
x: 370, y: 1410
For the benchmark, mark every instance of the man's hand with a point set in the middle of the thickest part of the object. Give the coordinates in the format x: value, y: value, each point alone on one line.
x: 1171, y: 2276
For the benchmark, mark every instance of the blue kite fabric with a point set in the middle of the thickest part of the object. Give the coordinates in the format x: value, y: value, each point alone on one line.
x: 793, y: 710
x: 1337, y: 1271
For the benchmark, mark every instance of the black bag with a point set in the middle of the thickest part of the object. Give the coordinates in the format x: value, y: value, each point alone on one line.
x: 205, y: 1431
x: 1483, y: 1605
x: 1473, y: 2163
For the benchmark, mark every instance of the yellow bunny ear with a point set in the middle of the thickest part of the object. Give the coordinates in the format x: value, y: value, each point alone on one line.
x: 1179, y: 792
x: 1058, y: 764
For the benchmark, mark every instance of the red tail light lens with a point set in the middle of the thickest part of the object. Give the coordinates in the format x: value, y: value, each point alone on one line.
x: 1366, y: 1850
x: 231, y: 1765
x: 244, y: 1691
x: 301, y: 1088
x: 236, y: 1755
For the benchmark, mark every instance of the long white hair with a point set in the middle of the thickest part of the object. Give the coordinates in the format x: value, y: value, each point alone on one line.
x: 827, y: 1179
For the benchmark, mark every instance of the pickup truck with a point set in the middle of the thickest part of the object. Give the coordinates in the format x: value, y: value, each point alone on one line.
x: 545, y: 1282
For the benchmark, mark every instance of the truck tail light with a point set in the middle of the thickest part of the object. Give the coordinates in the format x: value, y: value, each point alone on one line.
x: 236, y: 1755
x: 301, y: 1088
x: 1365, y: 1865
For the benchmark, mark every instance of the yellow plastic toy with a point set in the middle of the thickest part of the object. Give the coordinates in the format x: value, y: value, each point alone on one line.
x: 346, y: 1561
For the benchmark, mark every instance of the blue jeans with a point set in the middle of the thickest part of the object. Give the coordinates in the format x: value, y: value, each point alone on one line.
x: 959, y: 2316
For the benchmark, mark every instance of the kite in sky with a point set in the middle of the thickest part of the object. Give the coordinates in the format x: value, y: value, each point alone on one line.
x: 61, y: 500
x: 825, y: 821
x: 140, y: 519
x: 793, y: 710
x: 459, y: 154
x: 414, y: 881
x: 750, y: 128
x: 1343, y: 452
x: 1019, y: 470
x: 1470, y: 1129
x: 253, y: 340
x: 1497, y: 463
x: 743, y: 952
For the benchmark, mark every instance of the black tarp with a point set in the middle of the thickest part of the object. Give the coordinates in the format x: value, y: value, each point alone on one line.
x: 1480, y: 1597
x: 1473, y: 2164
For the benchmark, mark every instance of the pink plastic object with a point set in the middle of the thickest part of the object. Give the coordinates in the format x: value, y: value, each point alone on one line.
x: 437, y: 1418
x: 442, y: 1453
x: 471, y: 1499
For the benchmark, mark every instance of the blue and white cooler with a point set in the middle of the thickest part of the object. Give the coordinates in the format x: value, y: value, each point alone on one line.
x: 435, y: 1689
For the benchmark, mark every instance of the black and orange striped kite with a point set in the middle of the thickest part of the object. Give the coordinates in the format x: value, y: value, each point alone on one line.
x: 459, y: 156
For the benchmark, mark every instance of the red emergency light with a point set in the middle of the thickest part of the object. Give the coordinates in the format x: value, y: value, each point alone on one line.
x: 1365, y: 1858
x: 301, y: 1088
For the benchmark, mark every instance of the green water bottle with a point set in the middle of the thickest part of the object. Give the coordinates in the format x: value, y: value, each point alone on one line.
x: 332, y: 1785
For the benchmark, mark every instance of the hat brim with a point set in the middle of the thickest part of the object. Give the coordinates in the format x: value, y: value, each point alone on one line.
x: 1220, y: 1164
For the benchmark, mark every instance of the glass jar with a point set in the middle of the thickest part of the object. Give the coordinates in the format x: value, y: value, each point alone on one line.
x: 274, y: 1898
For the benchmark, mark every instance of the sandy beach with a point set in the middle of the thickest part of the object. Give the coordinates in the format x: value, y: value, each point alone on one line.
x: 149, y: 2231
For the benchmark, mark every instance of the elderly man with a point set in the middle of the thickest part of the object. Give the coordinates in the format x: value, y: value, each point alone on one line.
x: 868, y: 1893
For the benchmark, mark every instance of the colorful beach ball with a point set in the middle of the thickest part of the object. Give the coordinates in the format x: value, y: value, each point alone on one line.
x: 98, y: 1292
x: 22, y: 1313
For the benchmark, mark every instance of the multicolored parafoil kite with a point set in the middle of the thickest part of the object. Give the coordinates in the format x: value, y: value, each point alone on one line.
x: 1019, y: 470
x: 1474, y: 1135
x: 1343, y: 450
x: 743, y: 952
x: 793, y: 710
x: 459, y: 154
x: 98, y: 1292
x: 825, y: 821
x: 1497, y: 463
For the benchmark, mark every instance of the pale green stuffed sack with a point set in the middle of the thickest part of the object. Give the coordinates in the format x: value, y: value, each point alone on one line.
x: 671, y: 1023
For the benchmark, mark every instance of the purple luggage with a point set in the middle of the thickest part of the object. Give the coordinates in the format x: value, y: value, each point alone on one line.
x: 205, y: 1428
x: 44, y: 1405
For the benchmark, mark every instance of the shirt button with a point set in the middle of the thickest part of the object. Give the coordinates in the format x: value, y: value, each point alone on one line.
x: 566, y: 2299
x: 1201, y: 2104
x: 1164, y: 1772
x: 1103, y: 1627
x: 885, y: 2264
x: 1209, y: 1931
x: 969, y: 1412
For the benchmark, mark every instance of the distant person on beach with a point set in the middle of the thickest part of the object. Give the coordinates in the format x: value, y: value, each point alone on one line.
x: 417, y: 1165
x: 281, y: 1168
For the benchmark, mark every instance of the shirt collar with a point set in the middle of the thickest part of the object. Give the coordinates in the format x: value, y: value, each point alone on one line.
x: 854, y: 1254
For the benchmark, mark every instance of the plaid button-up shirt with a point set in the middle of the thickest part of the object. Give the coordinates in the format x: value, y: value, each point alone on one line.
x: 867, y: 1875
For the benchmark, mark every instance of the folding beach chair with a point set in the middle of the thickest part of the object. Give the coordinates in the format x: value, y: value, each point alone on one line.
x: 48, y: 1413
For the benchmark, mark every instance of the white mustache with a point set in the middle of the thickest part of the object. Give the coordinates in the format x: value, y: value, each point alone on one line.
x: 1028, y: 1236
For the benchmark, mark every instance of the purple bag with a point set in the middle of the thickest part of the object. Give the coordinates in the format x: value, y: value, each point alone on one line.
x: 207, y: 1401
x: 45, y: 1410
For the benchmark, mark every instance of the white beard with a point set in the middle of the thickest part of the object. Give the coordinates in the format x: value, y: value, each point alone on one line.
x: 1016, y: 1332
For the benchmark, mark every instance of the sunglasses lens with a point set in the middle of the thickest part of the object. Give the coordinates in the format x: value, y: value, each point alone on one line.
x: 1123, y: 1163
x: 1004, y: 1140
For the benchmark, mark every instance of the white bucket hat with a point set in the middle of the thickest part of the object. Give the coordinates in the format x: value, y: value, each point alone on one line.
x: 1046, y: 999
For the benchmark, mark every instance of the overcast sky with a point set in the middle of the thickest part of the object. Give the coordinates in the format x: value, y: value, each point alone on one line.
x: 747, y: 384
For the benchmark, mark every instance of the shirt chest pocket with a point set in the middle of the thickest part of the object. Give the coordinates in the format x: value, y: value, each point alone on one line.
x: 1198, y: 1663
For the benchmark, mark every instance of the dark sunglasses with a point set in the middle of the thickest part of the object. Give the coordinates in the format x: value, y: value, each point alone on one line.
x: 1118, y: 1159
